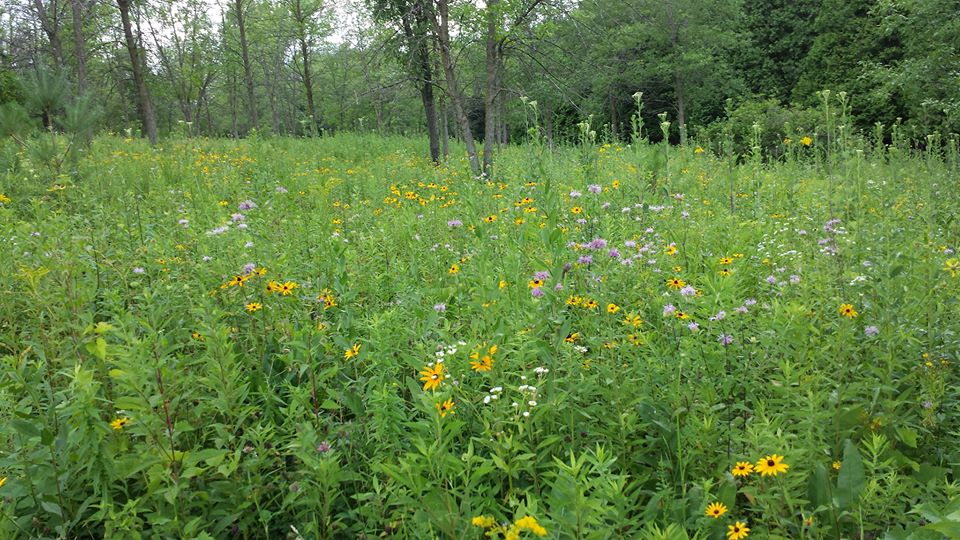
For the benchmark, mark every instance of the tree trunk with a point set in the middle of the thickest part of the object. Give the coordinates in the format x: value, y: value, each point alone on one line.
x: 79, y: 45
x: 446, y: 129
x: 417, y: 42
x: 305, y: 53
x: 144, y: 106
x: 50, y: 23
x: 247, y: 71
x: 442, y: 29
x: 490, y: 94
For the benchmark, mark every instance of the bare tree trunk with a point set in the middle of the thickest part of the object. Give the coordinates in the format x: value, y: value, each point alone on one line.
x: 417, y: 40
x: 79, y: 45
x: 144, y: 106
x: 490, y: 93
x: 442, y: 29
x: 446, y: 131
x: 305, y: 53
x: 50, y: 23
x: 247, y: 71
x: 233, y: 107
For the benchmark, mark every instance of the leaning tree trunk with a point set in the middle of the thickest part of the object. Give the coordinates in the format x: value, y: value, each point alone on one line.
x: 144, y: 106
x: 79, y: 45
x: 442, y: 29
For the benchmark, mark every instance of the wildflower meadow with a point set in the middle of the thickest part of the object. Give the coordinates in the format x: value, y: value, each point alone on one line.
x: 334, y: 338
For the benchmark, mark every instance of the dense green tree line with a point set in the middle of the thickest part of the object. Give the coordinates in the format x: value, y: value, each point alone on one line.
x: 458, y: 68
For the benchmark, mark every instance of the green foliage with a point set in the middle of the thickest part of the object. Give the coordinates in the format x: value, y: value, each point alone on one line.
x: 176, y: 362
x: 774, y: 122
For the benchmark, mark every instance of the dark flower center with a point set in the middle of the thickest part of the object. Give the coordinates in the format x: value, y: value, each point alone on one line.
x: 770, y: 463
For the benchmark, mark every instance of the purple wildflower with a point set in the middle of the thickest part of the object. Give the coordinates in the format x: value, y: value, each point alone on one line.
x: 249, y: 267
x: 537, y: 292
x: 575, y: 194
x: 440, y: 308
x: 771, y: 280
x: 542, y: 275
x: 184, y: 223
x: 725, y: 339
x: 585, y: 259
x: 688, y: 291
x: 669, y: 309
x: 594, y: 188
x: 871, y: 331
x: 794, y: 279
x: 615, y: 253
x: 454, y: 223
x: 138, y: 270
x: 693, y: 327
x: 247, y: 205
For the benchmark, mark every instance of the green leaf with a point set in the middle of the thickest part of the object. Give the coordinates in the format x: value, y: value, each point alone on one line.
x: 907, y: 436
x: 851, y: 479
x: 25, y: 428
x: 818, y: 486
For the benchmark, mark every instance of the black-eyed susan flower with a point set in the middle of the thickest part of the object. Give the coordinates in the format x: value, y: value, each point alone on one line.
x: 352, y: 352
x: 847, y: 310
x: 612, y: 308
x: 806, y: 141
x: 952, y: 266
x: 671, y: 250
x: 286, y: 288
x: 3, y: 481
x: 454, y: 269
x: 432, y: 376
x: 771, y: 465
x: 725, y: 272
x: 737, y: 531
x: 726, y: 260
x: 716, y: 509
x: 572, y: 337
x: 742, y: 469
x: 576, y: 210
x: 253, y: 307
x: 676, y: 283
x: 445, y: 408
x: 120, y: 423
